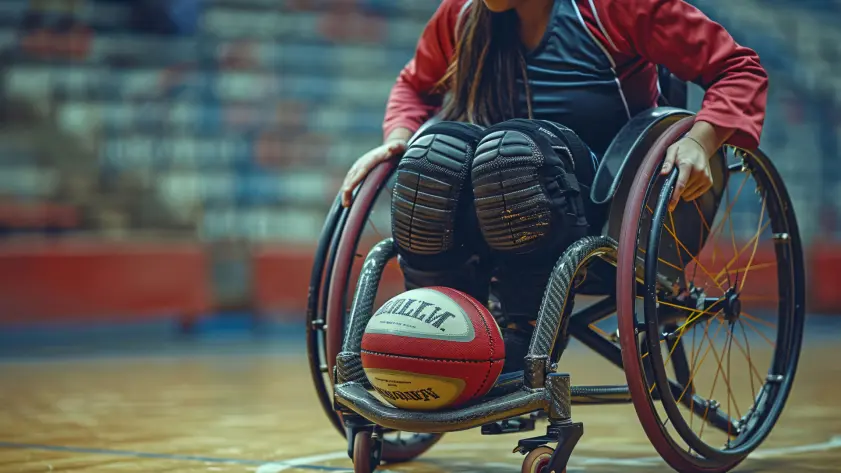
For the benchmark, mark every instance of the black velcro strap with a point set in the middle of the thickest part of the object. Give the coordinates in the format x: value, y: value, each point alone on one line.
x: 559, y: 177
x: 584, y: 169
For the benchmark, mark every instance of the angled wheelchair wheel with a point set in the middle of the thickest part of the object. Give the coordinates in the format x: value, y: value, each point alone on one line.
x: 724, y: 274
x: 346, y: 238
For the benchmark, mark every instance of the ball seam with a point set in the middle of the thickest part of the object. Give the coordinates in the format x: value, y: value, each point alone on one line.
x: 489, y: 337
x: 425, y: 358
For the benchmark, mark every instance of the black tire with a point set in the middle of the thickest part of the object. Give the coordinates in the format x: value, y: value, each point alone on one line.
x: 663, y: 404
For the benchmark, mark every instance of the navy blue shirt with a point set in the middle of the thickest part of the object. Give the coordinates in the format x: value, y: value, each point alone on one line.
x: 573, y: 82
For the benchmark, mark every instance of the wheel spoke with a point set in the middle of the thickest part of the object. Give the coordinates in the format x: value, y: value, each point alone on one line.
x: 697, y: 368
x: 759, y: 320
x: 720, y: 370
x: 747, y: 344
x: 695, y: 260
x: 751, y: 326
x: 688, y: 384
x: 674, y: 234
x: 755, y: 267
x: 745, y: 352
x: 725, y: 271
x: 755, y: 245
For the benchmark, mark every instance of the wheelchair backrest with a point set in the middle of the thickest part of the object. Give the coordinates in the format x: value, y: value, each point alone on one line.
x: 689, y: 224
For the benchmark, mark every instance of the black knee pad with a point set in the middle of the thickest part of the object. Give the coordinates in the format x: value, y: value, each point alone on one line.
x: 526, y: 193
x: 529, y: 205
x: 431, y: 210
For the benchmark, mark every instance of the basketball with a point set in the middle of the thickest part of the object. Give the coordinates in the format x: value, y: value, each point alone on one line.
x: 432, y: 348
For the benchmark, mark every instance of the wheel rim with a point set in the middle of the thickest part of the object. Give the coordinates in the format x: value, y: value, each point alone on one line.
x: 316, y: 303
x: 682, y: 443
x: 347, y: 253
x: 351, y: 229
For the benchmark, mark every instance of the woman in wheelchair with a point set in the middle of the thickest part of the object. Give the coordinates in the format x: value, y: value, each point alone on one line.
x: 530, y: 93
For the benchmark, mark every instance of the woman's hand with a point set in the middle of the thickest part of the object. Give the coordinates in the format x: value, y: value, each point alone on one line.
x: 693, y: 163
x: 364, y: 165
x: 692, y: 156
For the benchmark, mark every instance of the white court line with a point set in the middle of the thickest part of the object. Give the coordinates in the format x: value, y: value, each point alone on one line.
x: 833, y: 443
x: 275, y: 467
x: 576, y: 460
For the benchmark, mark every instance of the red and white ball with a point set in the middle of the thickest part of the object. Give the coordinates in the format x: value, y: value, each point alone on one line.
x: 432, y: 348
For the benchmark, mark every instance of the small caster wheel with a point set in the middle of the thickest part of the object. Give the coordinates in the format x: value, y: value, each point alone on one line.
x: 363, y: 453
x: 537, y: 461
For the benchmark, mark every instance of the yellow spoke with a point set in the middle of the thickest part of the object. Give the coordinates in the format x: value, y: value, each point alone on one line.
x: 674, y: 234
x: 758, y: 320
x: 729, y: 348
x: 715, y: 381
x: 693, y: 316
x: 692, y: 399
x: 707, y: 227
x: 755, y: 244
x: 703, y: 219
x: 746, y: 322
x: 698, y: 264
x: 732, y: 233
x: 674, y: 345
x: 599, y: 331
x: 755, y: 267
x: 747, y: 356
x: 700, y: 312
x: 671, y: 265
x: 681, y: 330
x: 720, y: 224
x: 726, y: 379
x: 704, y: 357
x: 747, y: 343
x: 739, y: 253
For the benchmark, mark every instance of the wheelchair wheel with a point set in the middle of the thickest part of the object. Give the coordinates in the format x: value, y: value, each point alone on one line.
x: 346, y: 237
x: 538, y: 460
x: 725, y: 275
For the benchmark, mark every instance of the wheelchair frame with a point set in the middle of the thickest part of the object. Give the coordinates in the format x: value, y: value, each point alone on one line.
x: 628, y: 169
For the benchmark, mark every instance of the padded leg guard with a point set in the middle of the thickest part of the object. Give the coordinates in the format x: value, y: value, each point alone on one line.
x: 528, y: 204
x: 433, y: 223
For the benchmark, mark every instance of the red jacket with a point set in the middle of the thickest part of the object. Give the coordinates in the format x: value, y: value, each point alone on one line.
x: 639, y: 34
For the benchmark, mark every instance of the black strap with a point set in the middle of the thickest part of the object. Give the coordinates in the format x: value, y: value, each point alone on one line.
x: 584, y: 169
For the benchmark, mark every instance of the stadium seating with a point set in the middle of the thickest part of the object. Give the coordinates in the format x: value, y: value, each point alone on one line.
x: 238, y: 125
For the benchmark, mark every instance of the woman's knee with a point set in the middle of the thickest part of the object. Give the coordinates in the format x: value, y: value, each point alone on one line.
x: 527, y: 197
x: 432, y: 198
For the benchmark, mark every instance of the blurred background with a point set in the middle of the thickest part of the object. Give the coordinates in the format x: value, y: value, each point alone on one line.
x: 170, y: 163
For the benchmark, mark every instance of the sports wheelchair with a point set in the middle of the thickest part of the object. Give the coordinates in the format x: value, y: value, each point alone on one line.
x: 675, y: 280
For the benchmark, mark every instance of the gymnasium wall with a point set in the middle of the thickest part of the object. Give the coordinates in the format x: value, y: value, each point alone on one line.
x: 160, y: 159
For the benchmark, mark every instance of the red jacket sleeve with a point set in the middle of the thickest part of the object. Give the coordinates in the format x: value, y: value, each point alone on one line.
x: 412, y: 100
x: 694, y: 48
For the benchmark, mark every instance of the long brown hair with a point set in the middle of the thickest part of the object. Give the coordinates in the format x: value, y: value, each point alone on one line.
x: 482, y: 78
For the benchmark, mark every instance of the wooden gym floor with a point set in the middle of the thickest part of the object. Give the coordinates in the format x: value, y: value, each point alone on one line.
x: 245, y: 405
